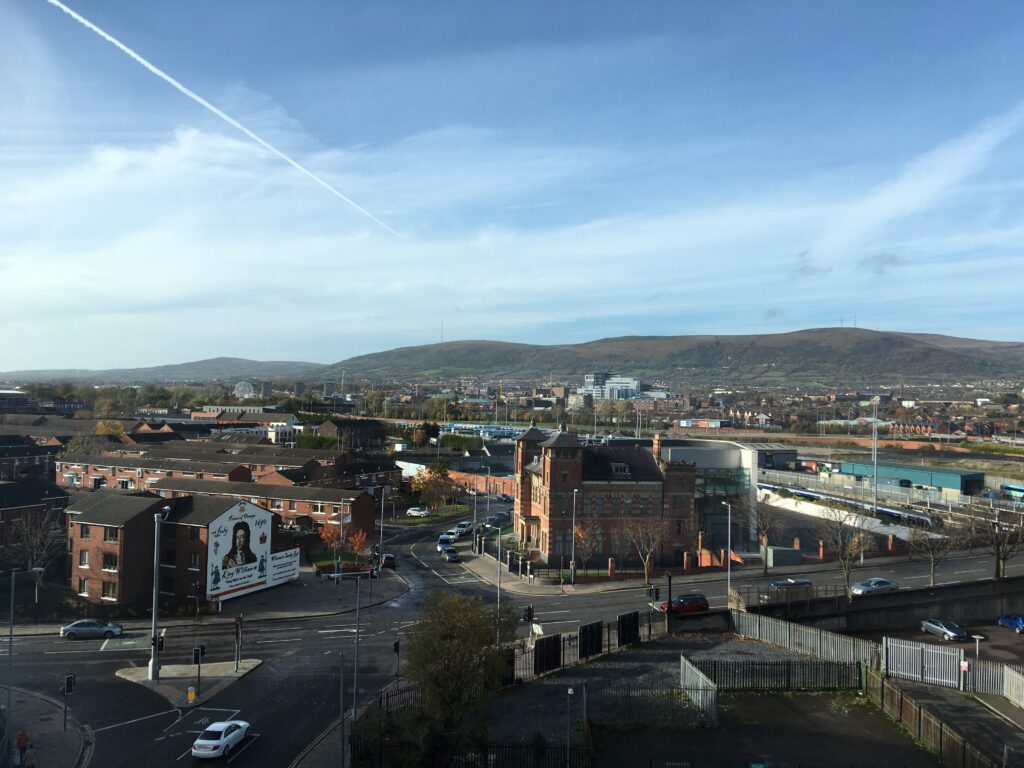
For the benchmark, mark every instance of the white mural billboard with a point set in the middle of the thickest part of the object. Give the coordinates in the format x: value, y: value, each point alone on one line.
x: 238, y: 557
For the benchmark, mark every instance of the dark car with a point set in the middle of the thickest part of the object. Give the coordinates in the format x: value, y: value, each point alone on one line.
x: 1014, y: 621
x: 505, y: 497
x: 686, y: 604
x: 944, y: 628
x: 788, y: 589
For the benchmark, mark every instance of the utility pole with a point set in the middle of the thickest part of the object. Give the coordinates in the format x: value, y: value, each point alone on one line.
x: 154, y: 652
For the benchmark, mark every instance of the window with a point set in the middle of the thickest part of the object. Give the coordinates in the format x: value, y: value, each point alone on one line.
x: 83, y: 531
x: 110, y: 590
x: 83, y: 587
x: 277, y: 504
x: 83, y: 558
x: 109, y: 561
x: 193, y: 533
x: 193, y: 561
x: 291, y: 506
x: 318, y: 508
x: 167, y: 558
x: 167, y: 584
x: 126, y: 483
x: 110, y: 534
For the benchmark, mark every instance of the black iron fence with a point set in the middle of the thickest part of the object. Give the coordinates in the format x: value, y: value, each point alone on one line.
x: 780, y: 675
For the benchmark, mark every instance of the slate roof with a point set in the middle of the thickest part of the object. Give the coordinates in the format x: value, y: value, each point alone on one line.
x: 112, y: 507
x: 200, y: 510
x: 257, y: 490
x: 156, y: 463
x: 597, y: 464
x: 561, y: 440
x: 28, y: 492
x: 532, y: 435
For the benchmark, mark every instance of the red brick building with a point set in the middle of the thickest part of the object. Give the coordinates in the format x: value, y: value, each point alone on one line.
x: 302, y: 506
x: 132, y: 473
x: 615, y: 486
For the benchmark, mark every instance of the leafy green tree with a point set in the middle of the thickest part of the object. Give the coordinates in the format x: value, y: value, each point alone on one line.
x: 452, y: 655
x: 84, y: 444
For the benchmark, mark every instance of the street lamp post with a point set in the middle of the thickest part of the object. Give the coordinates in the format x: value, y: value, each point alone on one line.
x: 154, y: 655
x: 568, y: 729
x: 572, y: 533
x: 10, y: 651
x: 874, y: 450
x: 728, y: 555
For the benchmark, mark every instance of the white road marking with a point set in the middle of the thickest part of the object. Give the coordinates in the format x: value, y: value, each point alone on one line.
x: 247, y: 743
x: 289, y: 640
x: 548, y: 613
x: 563, y: 621
x: 136, y: 720
x: 91, y: 650
x: 324, y: 632
x: 976, y: 570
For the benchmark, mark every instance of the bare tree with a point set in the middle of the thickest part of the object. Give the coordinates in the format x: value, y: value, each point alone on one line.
x: 843, y: 538
x: 588, y: 535
x: 767, y: 521
x: 645, y: 535
x: 35, y: 541
x: 1002, y: 534
x: 936, y: 545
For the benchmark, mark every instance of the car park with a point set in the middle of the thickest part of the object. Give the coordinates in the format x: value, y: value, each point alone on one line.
x: 417, y: 512
x: 219, y: 739
x: 450, y: 555
x: 875, y: 585
x: 944, y: 628
x: 1014, y: 621
x: 85, y: 628
x: 685, y: 604
x: 444, y: 540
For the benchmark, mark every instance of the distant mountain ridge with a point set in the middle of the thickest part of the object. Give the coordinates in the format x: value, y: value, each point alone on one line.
x: 821, y: 356
x: 825, y: 356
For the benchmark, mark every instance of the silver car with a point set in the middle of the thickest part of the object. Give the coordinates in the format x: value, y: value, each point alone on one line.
x: 874, y: 586
x: 944, y: 628
x: 91, y: 628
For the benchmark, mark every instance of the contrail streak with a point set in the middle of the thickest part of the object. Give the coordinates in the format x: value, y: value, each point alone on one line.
x: 219, y: 113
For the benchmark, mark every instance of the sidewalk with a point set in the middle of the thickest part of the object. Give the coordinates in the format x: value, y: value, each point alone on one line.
x: 306, y: 598
x: 485, y: 567
x: 176, y: 680
x: 50, y: 746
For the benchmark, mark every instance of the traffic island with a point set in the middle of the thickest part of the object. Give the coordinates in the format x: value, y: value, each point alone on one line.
x: 189, y: 685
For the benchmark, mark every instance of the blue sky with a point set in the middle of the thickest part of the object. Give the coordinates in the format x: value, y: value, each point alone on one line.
x: 555, y: 173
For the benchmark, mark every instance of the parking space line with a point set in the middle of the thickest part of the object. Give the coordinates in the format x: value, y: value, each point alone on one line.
x: 136, y: 720
x: 247, y: 743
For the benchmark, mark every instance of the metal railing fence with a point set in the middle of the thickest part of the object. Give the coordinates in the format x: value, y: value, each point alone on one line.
x: 811, y: 641
x: 699, y: 689
x: 800, y: 675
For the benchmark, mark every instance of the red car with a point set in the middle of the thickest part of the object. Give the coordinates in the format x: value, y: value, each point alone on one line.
x: 686, y: 604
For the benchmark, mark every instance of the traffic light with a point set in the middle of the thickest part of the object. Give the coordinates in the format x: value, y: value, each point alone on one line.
x: 657, y: 593
x: 528, y: 614
x: 197, y: 653
x: 69, y: 683
x: 395, y: 646
x: 160, y: 642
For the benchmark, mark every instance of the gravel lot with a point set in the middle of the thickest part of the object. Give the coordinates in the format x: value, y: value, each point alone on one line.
x: 807, y: 728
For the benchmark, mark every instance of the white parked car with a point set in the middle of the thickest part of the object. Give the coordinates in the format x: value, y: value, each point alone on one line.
x: 417, y: 512
x: 464, y: 527
x: 220, y: 738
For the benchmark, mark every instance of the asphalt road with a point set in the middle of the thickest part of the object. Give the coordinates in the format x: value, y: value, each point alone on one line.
x: 294, y: 695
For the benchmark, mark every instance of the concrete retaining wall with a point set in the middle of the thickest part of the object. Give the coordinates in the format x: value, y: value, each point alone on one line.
x: 963, y: 603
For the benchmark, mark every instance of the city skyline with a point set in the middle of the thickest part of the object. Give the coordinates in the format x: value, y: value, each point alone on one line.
x: 533, y: 175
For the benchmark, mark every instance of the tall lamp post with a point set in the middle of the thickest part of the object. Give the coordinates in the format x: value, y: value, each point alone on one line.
x: 874, y: 449
x: 10, y: 650
x: 154, y: 654
x: 572, y: 534
x: 728, y: 555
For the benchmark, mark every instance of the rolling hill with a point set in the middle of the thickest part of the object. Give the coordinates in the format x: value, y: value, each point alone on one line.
x: 820, y: 356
